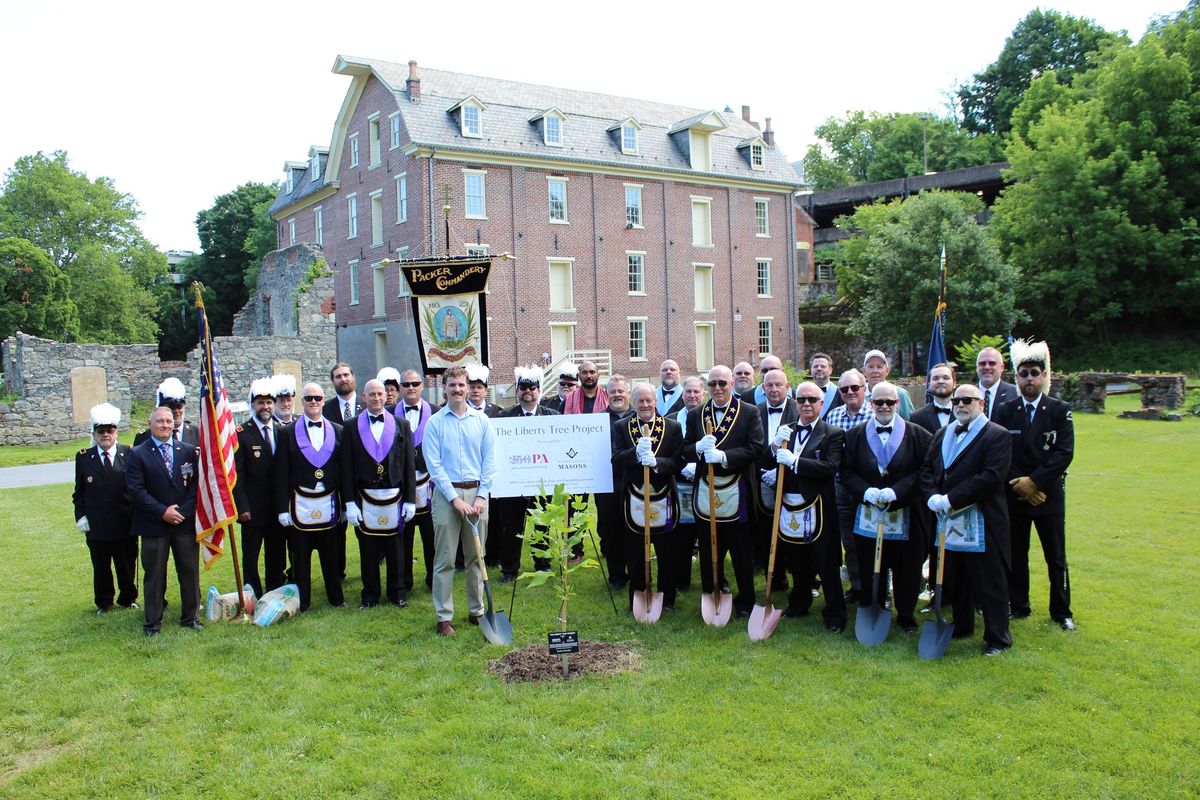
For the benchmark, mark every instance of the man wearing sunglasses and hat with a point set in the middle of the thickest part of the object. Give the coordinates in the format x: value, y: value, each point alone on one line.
x: 103, y: 512
x: 172, y: 394
x: 254, y: 492
x: 1043, y: 437
x: 568, y: 379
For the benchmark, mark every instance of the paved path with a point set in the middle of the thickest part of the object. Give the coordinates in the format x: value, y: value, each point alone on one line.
x: 37, y: 475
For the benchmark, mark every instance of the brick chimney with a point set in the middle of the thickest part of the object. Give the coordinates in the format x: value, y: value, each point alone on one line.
x: 769, y: 135
x: 746, y: 116
x: 413, y: 84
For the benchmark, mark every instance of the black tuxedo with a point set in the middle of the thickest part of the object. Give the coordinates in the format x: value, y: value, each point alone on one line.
x: 423, y: 521
x: 101, y: 496
x: 1001, y: 393
x: 859, y: 472
x: 152, y: 491
x: 978, y: 475
x: 609, y: 526
x: 763, y: 514
x: 628, y: 474
x: 490, y: 410
x: 1041, y: 451
x: 742, y: 447
x: 928, y: 418
x: 554, y: 402
x: 293, y: 470
x: 255, y: 493
x: 506, y: 524
x: 834, y: 402
x: 191, y: 435
x: 332, y: 410
x: 676, y: 399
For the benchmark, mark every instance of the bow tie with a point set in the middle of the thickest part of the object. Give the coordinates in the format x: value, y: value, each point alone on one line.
x: 376, y: 418
x: 888, y: 429
x: 945, y: 411
x: 961, y: 428
x: 312, y: 424
x: 775, y: 410
x: 411, y: 408
x: 805, y: 428
x: 668, y: 392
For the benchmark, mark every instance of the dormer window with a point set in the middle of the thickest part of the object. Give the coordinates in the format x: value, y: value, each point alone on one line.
x: 314, y: 167
x: 756, y: 156
x: 470, y: 116
x: 290, y: 170
x: 754, y: 151
x: 553, y: 131
x: 693, y: 137
x: 291, y: 184
x: 625, y: 133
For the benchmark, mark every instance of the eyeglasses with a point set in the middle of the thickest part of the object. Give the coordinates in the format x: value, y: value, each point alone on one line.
x: 806, y: 401
x: 566, y: 383
x: 313, y: 398
x: 884, y: 403
x: 988, y: 363
x: 410, y: 384
x: 105, y: 429
x: 849, y: 389
x: 1030, y: 373
x: 964, y: 401
x: 716, y: 384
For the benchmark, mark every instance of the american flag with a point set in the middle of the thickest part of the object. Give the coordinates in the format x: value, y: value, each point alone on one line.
x: 218, y: 440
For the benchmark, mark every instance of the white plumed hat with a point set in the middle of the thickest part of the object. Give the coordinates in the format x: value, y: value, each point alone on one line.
x: 262, y: 387
x: 1029, y: 352
x: 569, y: 369
x: 171, y: 389
x: 389, y: 374
x: 478, y: 372
x: 285, y: 385
x: 105, y: 414
x: 530, y: 374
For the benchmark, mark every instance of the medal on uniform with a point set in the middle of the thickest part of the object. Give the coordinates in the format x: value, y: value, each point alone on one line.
x: 316, y: 514
x: 379, y: 469
x: 89, y: 479
x: 318, y: 474
x: 381, y: 521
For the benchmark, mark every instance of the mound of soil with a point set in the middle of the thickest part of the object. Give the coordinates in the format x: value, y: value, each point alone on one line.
x: 534, y: 663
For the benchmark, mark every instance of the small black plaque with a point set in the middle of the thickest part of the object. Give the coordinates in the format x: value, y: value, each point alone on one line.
x: 564, y: 643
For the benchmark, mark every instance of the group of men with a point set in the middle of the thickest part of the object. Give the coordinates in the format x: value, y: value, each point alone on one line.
x: 982, y: 464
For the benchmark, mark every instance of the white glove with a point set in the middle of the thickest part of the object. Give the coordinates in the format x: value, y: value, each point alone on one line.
x: 886, y: 496
x: 939, y: 502
x: 353, y: 514
x: 648, y: 460
x: 871, y: 496
x: 83, y: 525
x: 714, y: 456
x: 786, y: 457
x: 689, y: 471
x: 409, y: 510
x: 768, y: 477
x: 706, y: 444
x: 644, y: 446
x: 285, y: 519
x: 782, y: 434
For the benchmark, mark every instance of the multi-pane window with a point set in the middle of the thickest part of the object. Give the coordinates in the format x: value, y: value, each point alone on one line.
x: 703, y: 282
x: 401, y: 255
x: 562, y: 294
x: 701, y: 222
x: 764, y: 277
x: 402, y: 197
x: 314, y: 167
x: 553, y: 129
x: 477, y: 250
x: 637, y: 339
x: 353, y: 149
x: 633, y: 206
x: 351, y: 216
x: 395, y: 123
x: 764, y: 336
x: 476, y: 203
x: 629, y: 138
x: 472, y: 121
x: 756, y: 156
x: 352, y: 268
x: 319, y: 225
x: 558, y: 199
x: 637, y: 272
x: 762, y: 221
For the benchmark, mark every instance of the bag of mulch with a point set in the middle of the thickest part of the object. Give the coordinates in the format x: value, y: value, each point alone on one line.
x: 277, y: 604
x: 225, y: 606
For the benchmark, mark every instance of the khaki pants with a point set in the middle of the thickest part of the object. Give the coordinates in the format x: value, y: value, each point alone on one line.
x: 448, y: 527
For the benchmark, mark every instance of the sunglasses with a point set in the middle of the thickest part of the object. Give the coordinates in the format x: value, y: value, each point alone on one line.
x: 716, y: 384
x: 313, y: 398
x: 807, y: 401
x: 884, y: 403
x: 1030, y: 373
x: 105, y: 429
x: 849, y: 389
x: 410, y: 384
x: 964, y: 401
x: 526, y: 385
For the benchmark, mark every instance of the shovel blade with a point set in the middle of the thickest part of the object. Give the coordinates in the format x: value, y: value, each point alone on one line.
x: 647, y: 610
x: 871, y: 625
x: 763, y: 622
x: 716, y: 608
x: 935, y: 638
x: 496, y: 627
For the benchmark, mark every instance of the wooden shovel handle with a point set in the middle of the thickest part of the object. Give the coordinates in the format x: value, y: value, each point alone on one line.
x: 712, y: 515
x: 775, y: 526
x: 646, y: 519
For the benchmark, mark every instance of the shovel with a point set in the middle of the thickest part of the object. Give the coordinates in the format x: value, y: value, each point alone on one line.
x: 935, y: 635
x: 495, y: 625
x: 716, y: 607
x: 871, y: 623
x: 764, y: 619
x: 647, y: 605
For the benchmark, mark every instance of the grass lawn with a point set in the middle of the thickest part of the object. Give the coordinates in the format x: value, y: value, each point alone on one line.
x: 343, y: 703
x: 65, y: 451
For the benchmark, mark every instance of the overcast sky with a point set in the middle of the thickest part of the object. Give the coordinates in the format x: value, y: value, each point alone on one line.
x: 180, y: 104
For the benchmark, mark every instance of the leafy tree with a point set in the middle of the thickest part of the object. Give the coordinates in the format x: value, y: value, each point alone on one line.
x: 113, y: 309
x: 222, y: 267
x: 1043, y: 41
x: 1101, y: 215
x: 890, y: 266
x: 34, y: 293
x: 260, y: 241
x: 864, y: 147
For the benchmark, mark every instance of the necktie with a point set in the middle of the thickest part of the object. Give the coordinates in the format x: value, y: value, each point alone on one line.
x: 775, y: 410
x: 987, y: 403
x: 346, y: 411
x: 1029, y: 409
x: 376, y: 418
x: 961, y: 428
x: 881, y: 429
x: 528, y: 413
x: 177, y: 434
x: 107, y: 461
x: 268, y: 438
x: 168, y: 457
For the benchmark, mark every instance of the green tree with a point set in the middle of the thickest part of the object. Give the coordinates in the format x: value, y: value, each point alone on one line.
x: 890, y: 266
x: 1101, y: 215
x: 113, y: 309
x: 34, y: 293
x: 1043, y: 41
x: 222, y: 266
x: 259, y: 241
x: 864, y: 147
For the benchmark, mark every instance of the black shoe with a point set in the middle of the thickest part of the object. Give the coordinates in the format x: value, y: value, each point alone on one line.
x: 128, y: 605
x: 100, y: 612
x: 617, y: 584
x: 835, y: 628
x: 400, y: 602
x: 795, y: 611
x: 992, y: 650
x: 339, y: 605
x: 151, y: 633
x: 668, y: 605
x: 1067, y: 624
x: 365, y: 606
x: 195, y: 625
x: 907, y: 625
x: 962, y: 634
x: 742, y: 613
x: 1019, y: 613
x: 724, y: 588
x: 853, y: 595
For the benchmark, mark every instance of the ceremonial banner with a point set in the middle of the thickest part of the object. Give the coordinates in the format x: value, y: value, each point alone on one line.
x: 449, y: 305
x: 531, y: 452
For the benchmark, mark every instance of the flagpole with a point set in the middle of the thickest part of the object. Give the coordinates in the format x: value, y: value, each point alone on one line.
x: 237, y: 574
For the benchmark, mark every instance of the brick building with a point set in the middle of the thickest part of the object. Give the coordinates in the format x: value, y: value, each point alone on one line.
x: 645, y: 229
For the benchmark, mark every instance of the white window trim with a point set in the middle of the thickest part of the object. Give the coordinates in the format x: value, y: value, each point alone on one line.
x: 462, y: 120
x: 641, y: 205
x: 352, y: 271
x: 562, y: 133
x: 550, y: 181
x: 712, y: 289
x: 645, y: 334
x: 380, y: 297
x: 352, y: 215
x: 482, y: 173
x: 641, y: 253
x: 636, y: 140
x: 712, y: 335
x: 570, y: 260
x: 314, y: 168
x: 771, y: 336
x: 401, y: 254
x: 766, y: 201
x: 402, y: 205
x: 393, y: 130
x: 352, y: 143
x: 377, y: 140
x: 377, y: 195
x: 762, y: 156
x: 319, y: 225
x: 468, y: 246
x: 694, y: 199
x: 290, y: 182
x: 770, y: 288
x: 291, y: 231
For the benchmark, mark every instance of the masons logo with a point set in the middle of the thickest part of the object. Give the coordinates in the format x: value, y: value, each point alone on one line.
x: 572, y: 453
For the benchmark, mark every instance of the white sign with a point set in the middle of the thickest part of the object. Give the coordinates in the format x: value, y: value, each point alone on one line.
x: 533, y: 452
